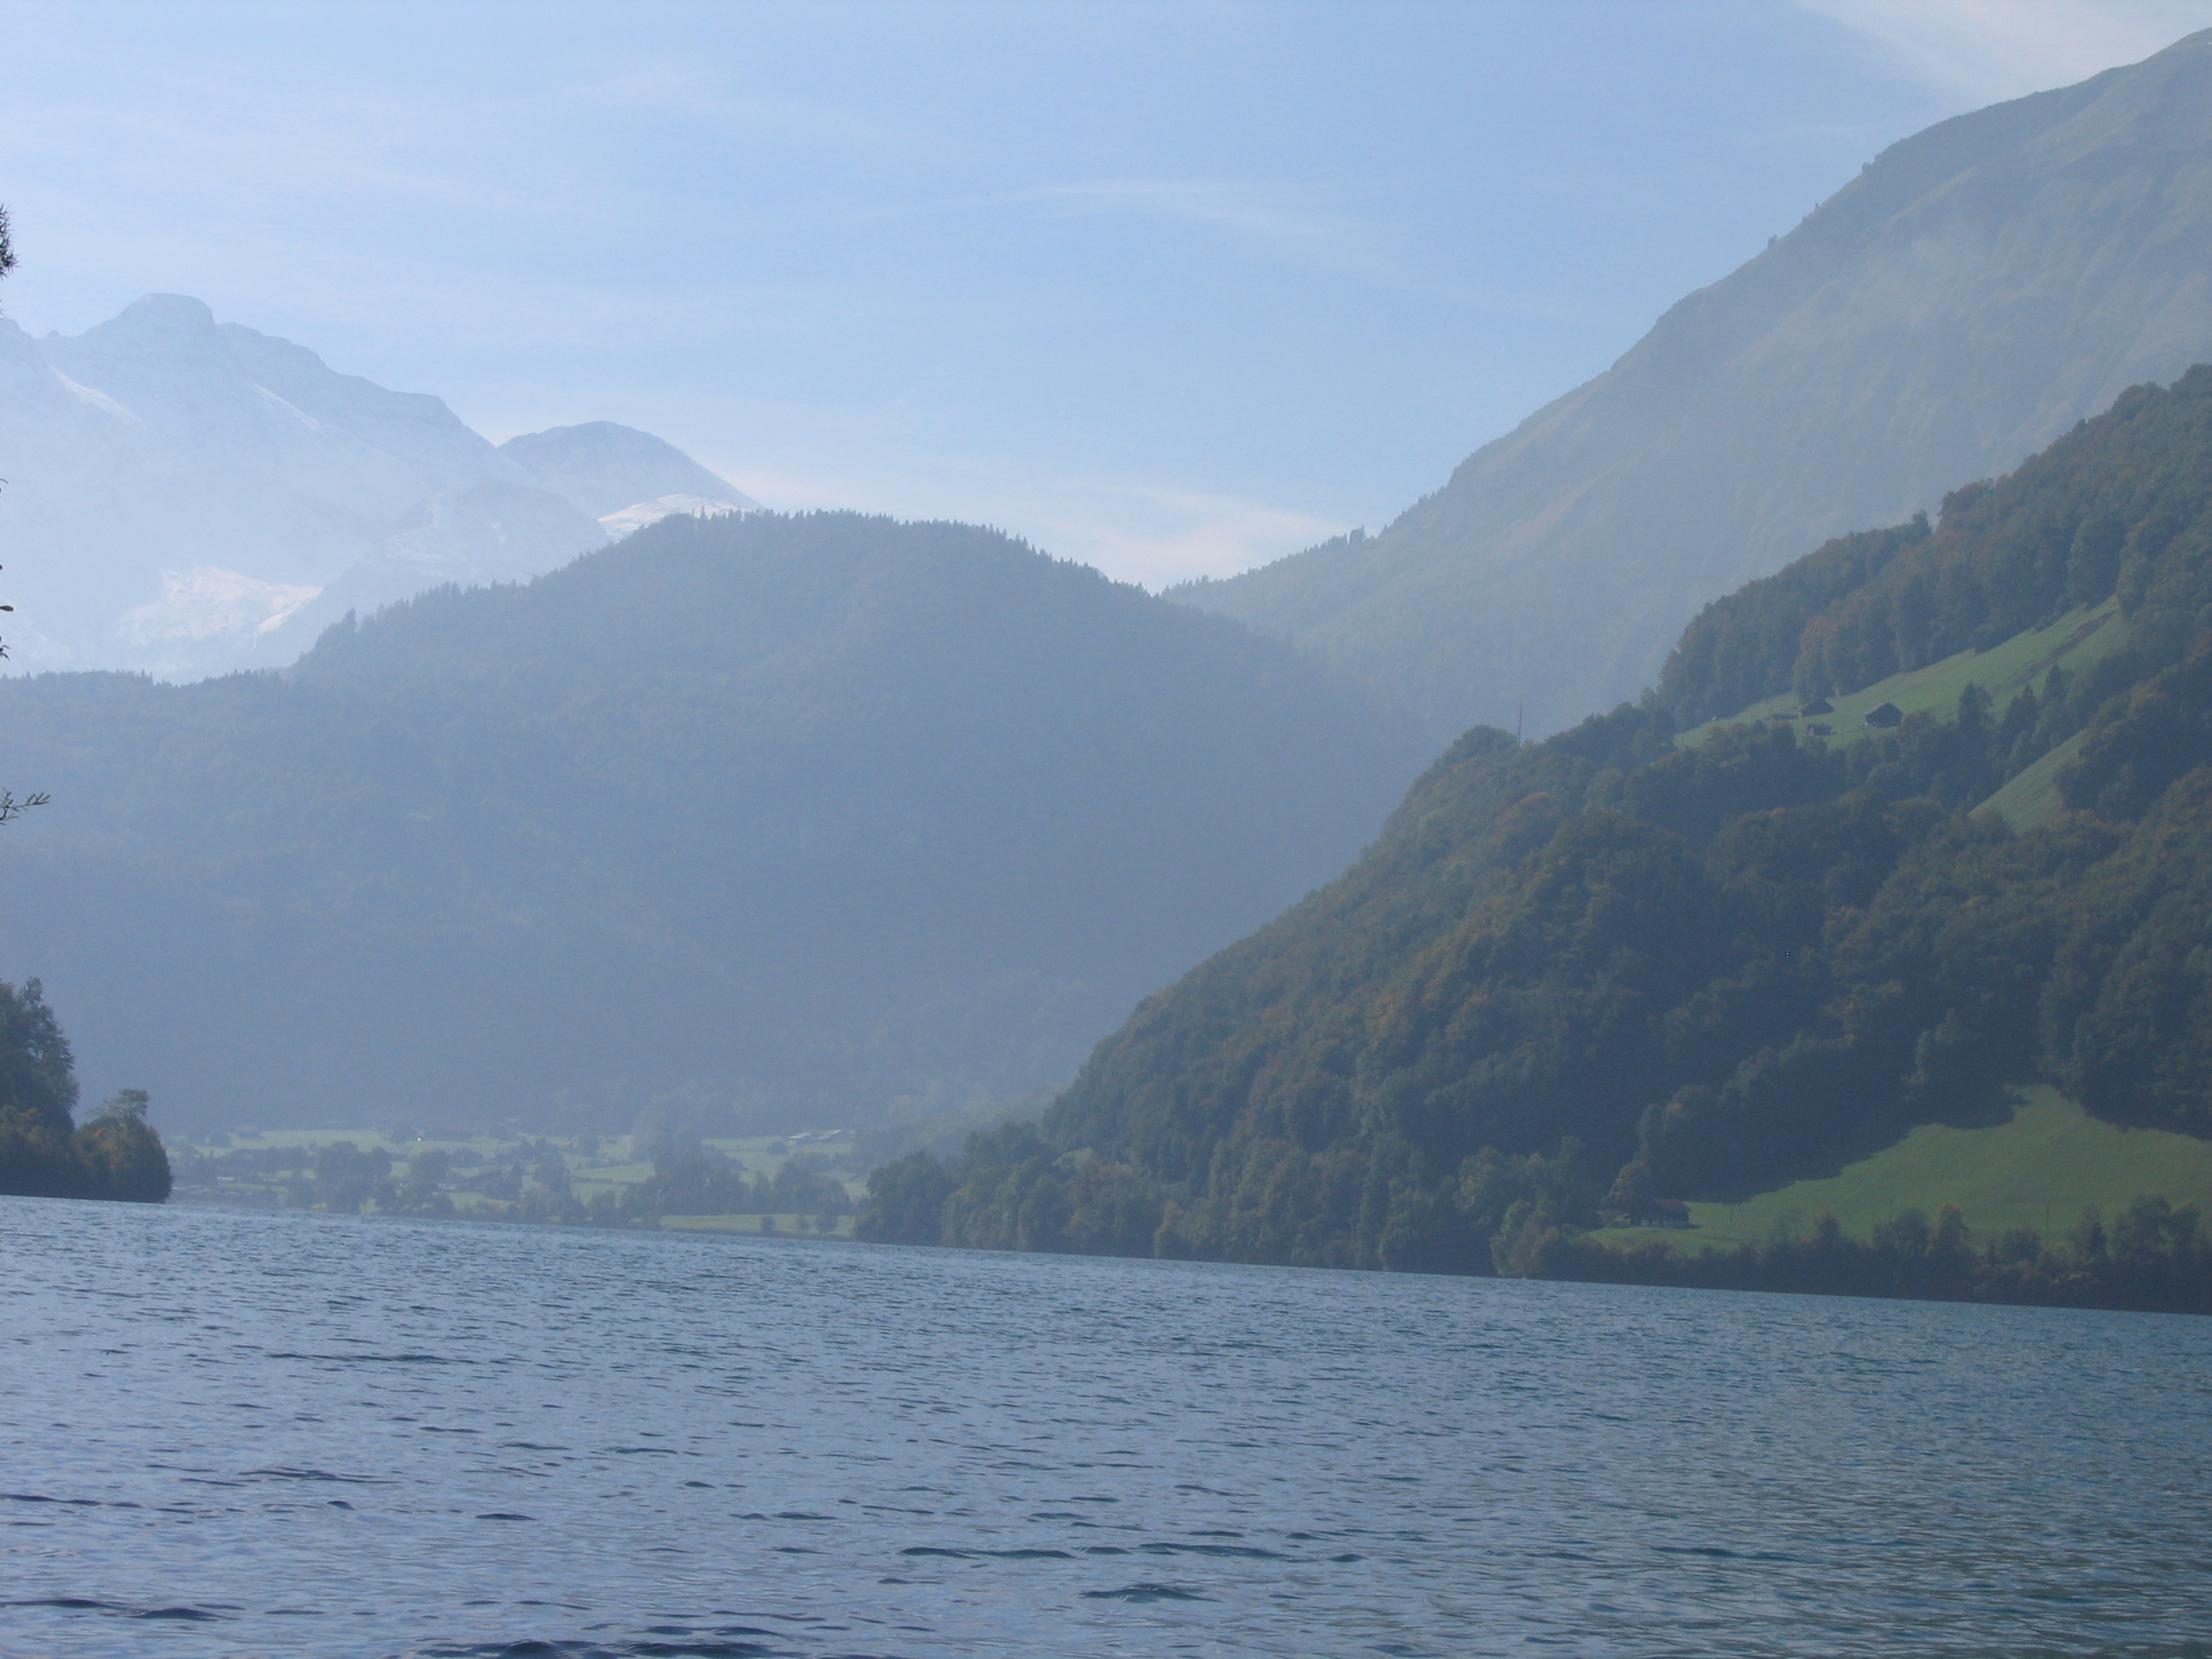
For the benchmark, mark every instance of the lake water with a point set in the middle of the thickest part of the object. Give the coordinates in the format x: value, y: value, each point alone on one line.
x: 234, y: 1433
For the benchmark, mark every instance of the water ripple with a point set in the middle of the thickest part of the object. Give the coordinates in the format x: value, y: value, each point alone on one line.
x: 952, y: 1455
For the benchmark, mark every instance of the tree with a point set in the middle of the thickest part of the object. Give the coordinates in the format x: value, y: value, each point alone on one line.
x: 42, y: 1153
x: 38, y: 1089
x: 906, y: 1202
x: 10, y: 807
x: 124, y: 1154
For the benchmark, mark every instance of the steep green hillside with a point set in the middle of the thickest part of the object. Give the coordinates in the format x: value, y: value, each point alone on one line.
x: 779, y: 821
x: 2075, y: 641
x: 2034, y: 795
x: 2041, y: 1167
x: 1577, y: 977
x: 2075, y: 644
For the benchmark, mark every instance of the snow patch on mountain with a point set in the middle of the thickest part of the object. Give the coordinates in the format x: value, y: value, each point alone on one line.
x: 186, y: 497
x: 211, y: 603
x: 99, y: 400
x: 639, y: 514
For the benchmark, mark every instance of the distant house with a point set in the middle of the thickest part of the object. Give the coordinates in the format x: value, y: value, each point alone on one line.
x: 1884, y: 714
x: 1818, y: 706
x: 1818, y: 729
x: 1660, y: 1212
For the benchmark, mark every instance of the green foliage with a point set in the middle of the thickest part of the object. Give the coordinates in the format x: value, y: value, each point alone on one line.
x: 1744, y: 648
x: 342, y: 1177
x: 2140, y: 743
x: 2127, y: 1014
x: 906, y: 1202
x: 37, y: 1092
x: 2122, y: 504
x: 423, y: 1191
x: 2156, y: 1258
x: 43, y: 1154
x: 527, y: 1180
x: 701, y: 1186
x: 2045, y: 1159
x: 37, y: 1073
x: 124, y: 1153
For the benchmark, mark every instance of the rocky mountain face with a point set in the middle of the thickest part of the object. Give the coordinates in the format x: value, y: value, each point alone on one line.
x: 184, y: 497
x: 1976, y: 291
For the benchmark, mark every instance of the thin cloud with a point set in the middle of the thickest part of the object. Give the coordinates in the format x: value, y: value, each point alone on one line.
x: 704, y: 98
x: 1266, y: 213
x: 1198, y: 201
x: 1985, y: 51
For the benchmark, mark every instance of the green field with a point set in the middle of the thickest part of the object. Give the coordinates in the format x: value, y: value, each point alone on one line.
x: 2032, y: 797
x: 761, y: 1155
x: 608, y: 1168
x: 263, y: 1140
x: 2038, y: 1170
x: 2076, y: 639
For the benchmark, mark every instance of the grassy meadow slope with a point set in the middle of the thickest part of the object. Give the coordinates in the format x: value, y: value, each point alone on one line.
x: 2039, y: 1168
x: 783, y: 821
x: 1966, y: 299
x: 1576, y: 978
x: 2075, y: 643
x: 2076, y: 640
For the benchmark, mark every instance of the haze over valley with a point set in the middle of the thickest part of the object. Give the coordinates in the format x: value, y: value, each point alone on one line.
x: 797, y: 821
x: 598, y: 1063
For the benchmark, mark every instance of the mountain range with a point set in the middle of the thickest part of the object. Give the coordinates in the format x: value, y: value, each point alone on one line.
x: 187, y: 497
x: 1978, y: 290
x: 830, y: 816
x: 1958, y: 844
x: 775, y: 821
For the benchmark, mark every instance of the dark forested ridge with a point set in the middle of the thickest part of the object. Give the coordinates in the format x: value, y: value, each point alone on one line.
x: 1575, y: 978
x: 789, y: 819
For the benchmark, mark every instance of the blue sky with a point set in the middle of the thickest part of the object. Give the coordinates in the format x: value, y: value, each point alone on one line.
x: 1171, y: 287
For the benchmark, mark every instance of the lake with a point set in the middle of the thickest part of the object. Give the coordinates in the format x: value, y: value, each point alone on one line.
x: 238, y: 1433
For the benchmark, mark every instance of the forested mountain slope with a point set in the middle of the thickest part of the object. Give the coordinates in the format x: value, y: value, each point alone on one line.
x: 1975, y: 291
x: 1579, y: 976
x: 792, y: 819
